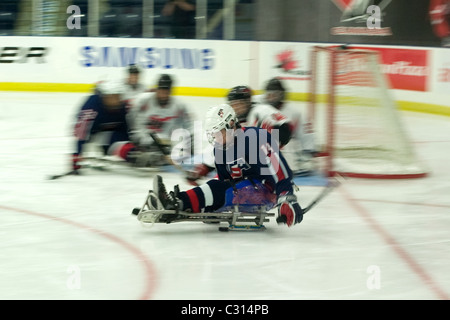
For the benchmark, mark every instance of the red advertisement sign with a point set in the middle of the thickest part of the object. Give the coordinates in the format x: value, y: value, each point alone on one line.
x: 406, y: 69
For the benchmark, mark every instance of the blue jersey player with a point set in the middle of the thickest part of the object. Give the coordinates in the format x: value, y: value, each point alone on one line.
x: 102, y: 120
x: 250, y: 168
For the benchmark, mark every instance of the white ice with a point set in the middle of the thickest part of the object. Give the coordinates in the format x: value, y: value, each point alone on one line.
x: 75, y: 238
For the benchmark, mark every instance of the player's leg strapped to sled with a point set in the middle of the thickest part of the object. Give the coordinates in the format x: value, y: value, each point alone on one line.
x: 243, y: 206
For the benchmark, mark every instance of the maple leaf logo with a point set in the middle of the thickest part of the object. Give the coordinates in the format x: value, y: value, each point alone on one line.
x: 286, y: 61
x: 343, y: 4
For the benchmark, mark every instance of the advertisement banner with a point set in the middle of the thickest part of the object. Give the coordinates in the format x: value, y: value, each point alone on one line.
x: 441, y: 78
x: 406, y: 69
x: 193, y: 63
x: 196, y: 60
x: 399, y: 22
x: 363, y: 22
x: 26, y: 59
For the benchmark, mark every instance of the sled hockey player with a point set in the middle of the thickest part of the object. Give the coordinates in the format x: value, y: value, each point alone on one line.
x: 301, y: 148
x: 250, y: 169
x: 159, y: 113
x: 249, y: 113
x: 102, y: 122
x: 132, y: 89
x: 260, y: 114
x: 132, y: 86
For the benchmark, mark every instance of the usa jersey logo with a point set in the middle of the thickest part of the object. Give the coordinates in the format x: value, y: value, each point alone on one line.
x: 236, y: 167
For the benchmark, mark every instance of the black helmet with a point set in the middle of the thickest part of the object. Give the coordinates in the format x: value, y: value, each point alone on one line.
x: 275, y: 93
x: 165, y: 82
x: 275, y: 84
x: 239, y: 93
x: 132, y: 68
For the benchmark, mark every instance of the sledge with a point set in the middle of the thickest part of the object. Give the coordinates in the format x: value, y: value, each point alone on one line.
x: 243, y: 211
x: 252, y: 219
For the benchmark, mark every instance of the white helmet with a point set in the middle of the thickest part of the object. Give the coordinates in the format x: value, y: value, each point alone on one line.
x: 218, y: 118
x: 111, y: 87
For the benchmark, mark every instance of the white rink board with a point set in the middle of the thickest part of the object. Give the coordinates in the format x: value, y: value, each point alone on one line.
x: 196, y: 64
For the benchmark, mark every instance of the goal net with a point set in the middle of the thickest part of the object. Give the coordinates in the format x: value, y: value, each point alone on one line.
x: 357, y: 125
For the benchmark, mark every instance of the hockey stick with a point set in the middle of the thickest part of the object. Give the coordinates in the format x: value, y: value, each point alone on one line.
x: 95, y: 159
x: 330, y: 187
x: 166, y: 153
x: 68, y: 173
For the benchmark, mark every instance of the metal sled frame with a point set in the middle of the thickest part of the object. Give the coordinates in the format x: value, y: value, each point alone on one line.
x: 242, y: 221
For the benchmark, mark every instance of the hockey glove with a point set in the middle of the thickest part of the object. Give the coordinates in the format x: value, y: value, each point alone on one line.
x: 289, y: 211
x: 76, y: 159
x: 200, y: 171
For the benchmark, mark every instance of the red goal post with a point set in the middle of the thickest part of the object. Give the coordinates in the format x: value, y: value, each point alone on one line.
x: 356, y: 122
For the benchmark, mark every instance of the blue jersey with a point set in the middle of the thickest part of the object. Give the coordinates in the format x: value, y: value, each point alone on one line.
x: 255, y: 155
x: 95, y: 117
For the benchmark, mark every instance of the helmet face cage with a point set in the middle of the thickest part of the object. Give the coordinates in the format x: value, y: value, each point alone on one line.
x: 225, y: 124
x: 217, y: 119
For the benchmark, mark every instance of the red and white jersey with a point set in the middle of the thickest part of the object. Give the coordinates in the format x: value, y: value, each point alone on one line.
x: 264, y: 116
x: 303, y: 137
x: 131, y: 92
x: 302, y: 134
x: 149, y: 117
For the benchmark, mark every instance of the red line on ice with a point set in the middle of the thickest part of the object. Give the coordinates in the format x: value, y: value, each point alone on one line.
x: 402, y: 253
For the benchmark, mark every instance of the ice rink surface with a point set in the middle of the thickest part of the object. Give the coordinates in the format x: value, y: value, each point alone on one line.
x: 75, y: 238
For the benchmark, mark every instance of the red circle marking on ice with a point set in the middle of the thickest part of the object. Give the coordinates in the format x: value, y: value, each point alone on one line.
x: 149, y: 269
